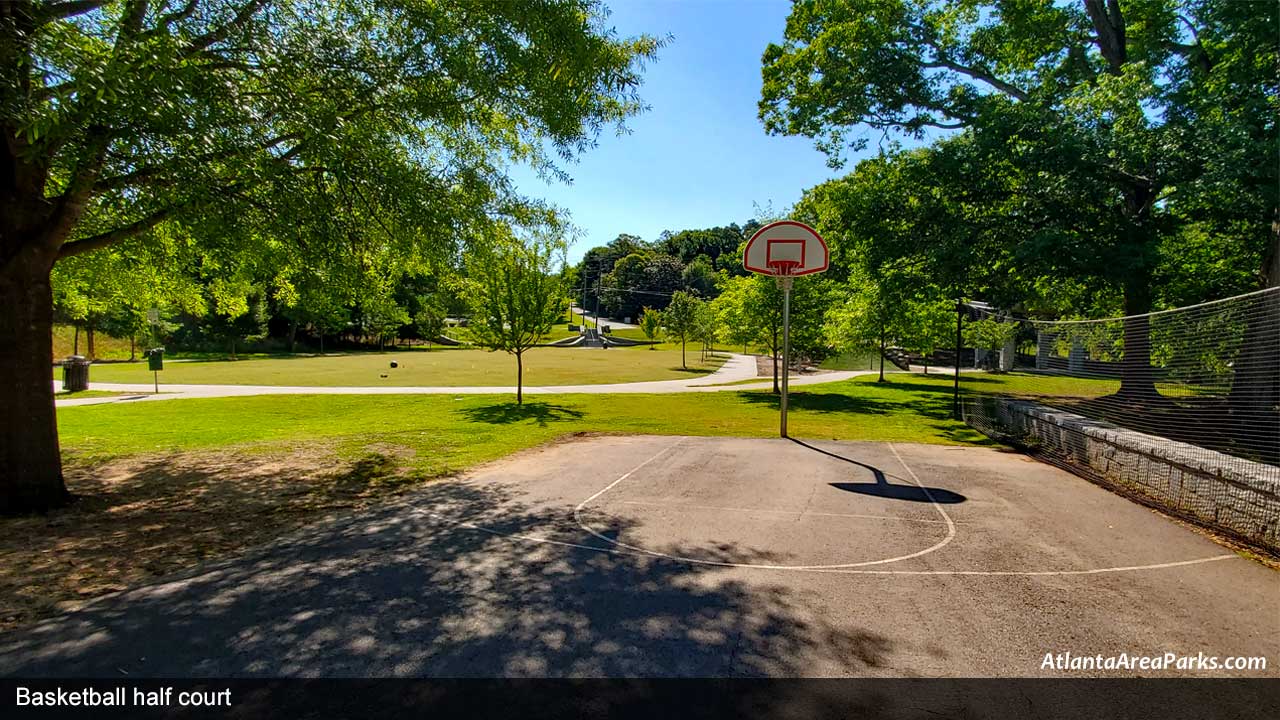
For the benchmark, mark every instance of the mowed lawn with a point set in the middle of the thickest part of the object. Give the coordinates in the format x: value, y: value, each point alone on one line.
x: 439, y: 367
x: 438, y: 434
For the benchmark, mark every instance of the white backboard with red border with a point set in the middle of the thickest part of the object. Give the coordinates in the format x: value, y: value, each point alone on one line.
x: 786, y: 249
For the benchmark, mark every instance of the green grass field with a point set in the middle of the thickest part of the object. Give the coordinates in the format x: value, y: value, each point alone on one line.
x: 104, y: 346
x: 1033, y: 384
x: 440, y: 367
x: 439, y: 434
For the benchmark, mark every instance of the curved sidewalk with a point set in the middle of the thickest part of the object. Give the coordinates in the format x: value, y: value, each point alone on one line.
x: 730, y: 376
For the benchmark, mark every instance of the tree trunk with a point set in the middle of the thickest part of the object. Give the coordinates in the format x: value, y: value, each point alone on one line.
x: 773, y: 354
x: 1137, y: 378
x: 1255, y: 387
x: 322, y: 343
x: 133, y: 347
x: 682, y: 364
x: 75, y: 343
x: 519, y: 379
x: 233, y: 348
x: 88, y: 337
x: 293, y: 337
x: 30, y: 461
x: 881, y: 354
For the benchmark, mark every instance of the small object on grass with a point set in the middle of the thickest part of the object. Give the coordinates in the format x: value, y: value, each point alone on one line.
x: 394, y: 364
x: 383, y: 375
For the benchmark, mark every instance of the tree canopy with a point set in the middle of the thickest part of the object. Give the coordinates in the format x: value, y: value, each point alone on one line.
x: 274, y: 133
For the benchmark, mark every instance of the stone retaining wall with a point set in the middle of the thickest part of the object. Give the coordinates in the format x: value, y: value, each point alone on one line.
x: 1227, y: 493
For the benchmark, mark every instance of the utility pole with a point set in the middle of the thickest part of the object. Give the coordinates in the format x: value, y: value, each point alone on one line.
x: 583, y: 306
x: 597, y: 302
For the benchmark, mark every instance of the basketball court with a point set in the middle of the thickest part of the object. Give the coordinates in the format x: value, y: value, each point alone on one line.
x: 964, y: 561
x: 699, y: 556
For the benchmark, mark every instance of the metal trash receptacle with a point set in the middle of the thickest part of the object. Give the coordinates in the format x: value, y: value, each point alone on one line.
x: 75, y: 373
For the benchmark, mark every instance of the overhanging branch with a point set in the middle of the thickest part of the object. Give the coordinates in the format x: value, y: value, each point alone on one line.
x: 101, y: 240
x: 222, y: 32
x: 70, y: 8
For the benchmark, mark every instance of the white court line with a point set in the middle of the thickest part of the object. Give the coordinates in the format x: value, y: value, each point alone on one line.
x: 613, y: 549
x: 577, y: 516
x: 989, y: 573
x: 779, y: 512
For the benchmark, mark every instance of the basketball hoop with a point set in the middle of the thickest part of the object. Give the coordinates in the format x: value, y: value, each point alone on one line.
x: 784, y: 271
x: 786, y: 250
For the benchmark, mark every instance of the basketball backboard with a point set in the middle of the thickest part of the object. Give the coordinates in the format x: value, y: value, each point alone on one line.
x: 786, y: 249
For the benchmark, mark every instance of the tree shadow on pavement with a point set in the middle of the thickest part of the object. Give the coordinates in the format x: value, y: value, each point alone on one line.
x: 436, y: 586
x: 507, y: 413
x: 828, y: 402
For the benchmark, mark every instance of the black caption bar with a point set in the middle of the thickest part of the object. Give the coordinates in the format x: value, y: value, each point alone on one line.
x: 1167, y: 699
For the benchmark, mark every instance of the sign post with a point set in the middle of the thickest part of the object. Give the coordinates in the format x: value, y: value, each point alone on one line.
x: 785, y: 250
x: 155, y: 362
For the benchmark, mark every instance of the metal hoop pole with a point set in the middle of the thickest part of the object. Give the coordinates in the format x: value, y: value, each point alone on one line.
x: 785, y: 282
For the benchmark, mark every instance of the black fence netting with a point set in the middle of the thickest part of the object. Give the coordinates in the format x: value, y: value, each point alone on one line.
x: 1144, y: 400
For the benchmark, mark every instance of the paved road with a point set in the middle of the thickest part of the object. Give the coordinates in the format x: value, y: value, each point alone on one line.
x: 736, y: 369
x: 590, y: 317
x: 696, y: 556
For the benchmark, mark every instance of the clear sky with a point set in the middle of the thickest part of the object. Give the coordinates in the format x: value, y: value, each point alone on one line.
x: 700, y: 156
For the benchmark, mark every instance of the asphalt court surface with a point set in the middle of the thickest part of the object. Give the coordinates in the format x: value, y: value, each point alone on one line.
x: 656, y: 555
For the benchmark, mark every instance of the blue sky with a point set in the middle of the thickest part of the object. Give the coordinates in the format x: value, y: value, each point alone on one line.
x: 699, y: 157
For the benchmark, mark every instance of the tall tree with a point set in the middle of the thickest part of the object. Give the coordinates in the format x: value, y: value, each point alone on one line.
x: 735, y: 314
x: 682, y: 319
x: 1073, y: 109
x: 516, y: 294
x: 651, y: 324
x: 119, y: 116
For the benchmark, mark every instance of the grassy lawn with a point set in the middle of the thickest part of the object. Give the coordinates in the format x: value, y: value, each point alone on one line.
x: 105, y: 346
x: 440, y: 366
x: 1034, y: 384
x: 855, y: 361
x: 179, y: 482
x: 445, y: 433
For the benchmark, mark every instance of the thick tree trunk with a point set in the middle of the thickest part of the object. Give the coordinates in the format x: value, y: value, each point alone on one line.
x: 89, y: 346
x: 1255, y: 387
x: 519, y: 379
x: 1137, y: 377
x: 30, y: 462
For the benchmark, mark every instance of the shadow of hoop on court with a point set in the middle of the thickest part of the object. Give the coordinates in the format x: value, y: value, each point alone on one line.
x: 910, y: 493
x: 882, y: 487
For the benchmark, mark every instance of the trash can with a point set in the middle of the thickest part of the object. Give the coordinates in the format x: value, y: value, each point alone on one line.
x: 75, y: 373
x: 155, y: 359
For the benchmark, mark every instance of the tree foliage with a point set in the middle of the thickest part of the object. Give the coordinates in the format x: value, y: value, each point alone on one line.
x: 515, y: 291
x: 1085, y: 126
x: 273, y: 132
x: 681, y: 318
x: 651, y: 324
